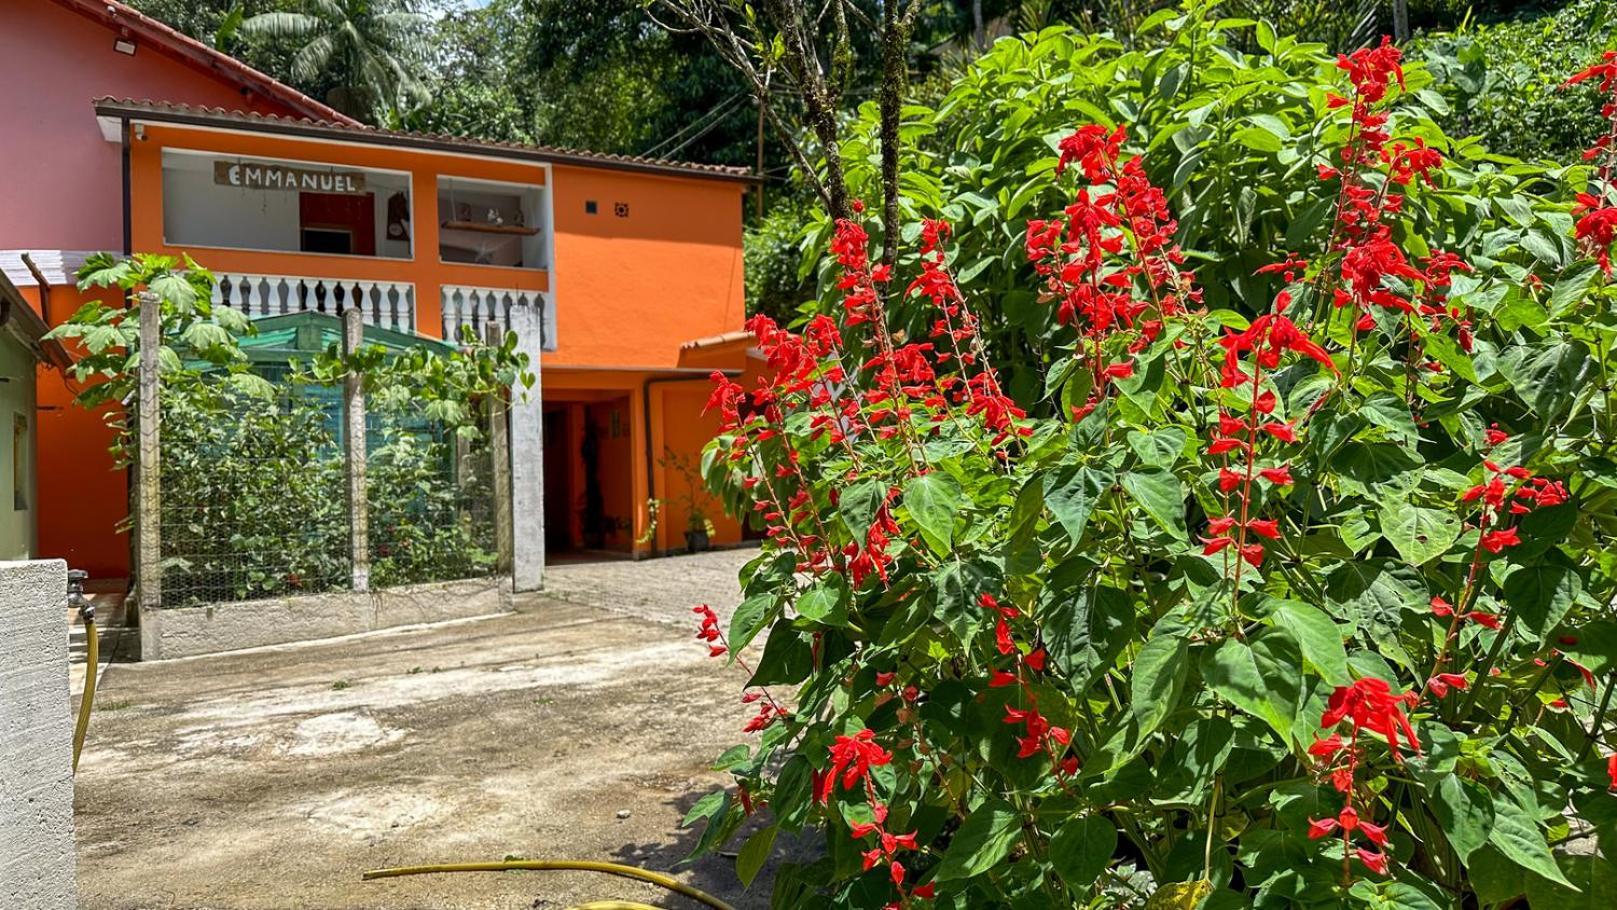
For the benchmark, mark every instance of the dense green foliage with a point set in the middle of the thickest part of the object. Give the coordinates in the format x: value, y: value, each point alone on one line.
x: 254, y: 482
x: 1231, y: 137
x: 366, y: 48
x: 1502, y: 82
x: 1295, y: 595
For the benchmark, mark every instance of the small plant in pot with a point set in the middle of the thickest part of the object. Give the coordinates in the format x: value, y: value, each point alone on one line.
x: 693, y: 498
x: 698, y: 533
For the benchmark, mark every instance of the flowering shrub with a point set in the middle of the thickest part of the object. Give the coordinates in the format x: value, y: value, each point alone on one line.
x: 1307, y: 609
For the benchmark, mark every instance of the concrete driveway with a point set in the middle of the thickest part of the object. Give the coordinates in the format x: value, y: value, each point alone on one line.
x: 577, y: 728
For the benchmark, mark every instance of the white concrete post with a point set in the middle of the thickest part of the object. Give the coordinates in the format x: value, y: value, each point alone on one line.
x: 353, y: 416
x: 527, y: 460
x: 149, y: 480
x: 499, y: 444
x: 37, y: 856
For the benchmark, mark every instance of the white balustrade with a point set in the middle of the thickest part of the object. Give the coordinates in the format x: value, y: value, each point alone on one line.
x: 479, y: 307
x: 388, y: 304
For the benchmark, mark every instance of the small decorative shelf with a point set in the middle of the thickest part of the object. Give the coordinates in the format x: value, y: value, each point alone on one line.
x: 484, y: 228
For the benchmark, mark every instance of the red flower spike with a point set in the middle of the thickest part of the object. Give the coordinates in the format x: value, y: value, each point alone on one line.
x: 1370, y: 704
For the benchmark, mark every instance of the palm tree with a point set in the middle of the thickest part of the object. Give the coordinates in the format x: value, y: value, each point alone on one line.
x: 363, y: 49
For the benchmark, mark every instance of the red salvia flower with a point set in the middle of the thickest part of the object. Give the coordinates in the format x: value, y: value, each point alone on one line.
x: 852, y: 757
x: 1371, y: 705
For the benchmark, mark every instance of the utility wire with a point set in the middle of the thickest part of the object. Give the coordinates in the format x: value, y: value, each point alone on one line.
x: 705, y: 130
x: 716, y: 113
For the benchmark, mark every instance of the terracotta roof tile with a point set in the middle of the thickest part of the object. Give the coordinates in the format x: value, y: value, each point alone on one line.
x: 161, y: 111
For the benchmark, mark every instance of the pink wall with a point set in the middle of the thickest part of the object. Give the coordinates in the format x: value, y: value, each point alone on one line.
x: 64, y: 185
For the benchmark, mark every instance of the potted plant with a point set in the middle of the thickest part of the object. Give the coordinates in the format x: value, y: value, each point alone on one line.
x: 693, y: 498
x: 698, y: 533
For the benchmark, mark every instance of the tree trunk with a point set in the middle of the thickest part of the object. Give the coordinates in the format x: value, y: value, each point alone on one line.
x: 894, y: 75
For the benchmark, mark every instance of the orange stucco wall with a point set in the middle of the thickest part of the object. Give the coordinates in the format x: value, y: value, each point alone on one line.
x: 83, y: 496
x: 630, y: 290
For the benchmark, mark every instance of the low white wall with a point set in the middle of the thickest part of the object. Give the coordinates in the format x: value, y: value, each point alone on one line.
x: 37, y: 857
x: 210, y: 629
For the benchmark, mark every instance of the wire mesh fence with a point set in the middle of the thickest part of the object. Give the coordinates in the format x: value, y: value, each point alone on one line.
x: 429, y: 501
x: 255, y: 493
x: 253, y: 501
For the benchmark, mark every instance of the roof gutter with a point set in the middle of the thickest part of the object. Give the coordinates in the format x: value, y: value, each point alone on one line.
x: 278, y: 127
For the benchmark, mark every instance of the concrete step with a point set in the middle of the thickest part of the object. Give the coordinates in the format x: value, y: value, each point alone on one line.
x: 115, y: 641
x: 116, y: 637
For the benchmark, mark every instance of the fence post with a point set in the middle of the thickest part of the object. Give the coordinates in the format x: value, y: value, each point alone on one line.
x: 353, y: 417
x: 527, y: 460
x: 499, y: 444
x: 149, y: 479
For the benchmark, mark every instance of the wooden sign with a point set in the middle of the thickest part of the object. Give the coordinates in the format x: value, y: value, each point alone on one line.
x: 249, y: 175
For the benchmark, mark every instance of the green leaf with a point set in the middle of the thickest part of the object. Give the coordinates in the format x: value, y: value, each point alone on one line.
x: 1081, y: 850
x: 1391, y: 414
x: 1465, y: 810
x: 1594, y: 645
x: 825, y: 601
x: 986, y: 838
x: 1162, y: 497
x: 794, y: 791
x: 1071, y: 493
x: 1571, y: 287
x: 749, y: 619
x: 787, y: 659
x: 1317, y: 636
x: 754, y: 853
x: 958, y: 585
x: 1495, y: 879
x: 708, y: 806
x: 1543, y: 246
x: 1420, y: 535
x: 1258, y: 139
x: 1548, y: 378
x: 1262, y: 679
x: 933, y: 500
x: 1086, y: 629
x: 1541, y: 595
x: 1266, y: 36
x: 858, y: 505
x: 1159, y: 676
x: 1594, y: 880
x: 1516, y: 834
x: 1159, y: 448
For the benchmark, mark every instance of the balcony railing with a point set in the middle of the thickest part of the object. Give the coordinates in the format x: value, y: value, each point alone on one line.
x: 388, y: 304
x: 479, y: 307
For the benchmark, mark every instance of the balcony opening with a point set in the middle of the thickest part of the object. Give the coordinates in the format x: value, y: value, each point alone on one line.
x: 483, y: 222
x: 284, y: 206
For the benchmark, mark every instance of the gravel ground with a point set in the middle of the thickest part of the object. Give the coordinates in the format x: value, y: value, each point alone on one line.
x: 578, y: 728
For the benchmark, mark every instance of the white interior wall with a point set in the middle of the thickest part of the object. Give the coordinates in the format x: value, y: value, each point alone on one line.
x: 199, y: 212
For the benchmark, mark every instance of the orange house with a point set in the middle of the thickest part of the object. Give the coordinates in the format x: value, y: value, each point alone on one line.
x: 633, y: 265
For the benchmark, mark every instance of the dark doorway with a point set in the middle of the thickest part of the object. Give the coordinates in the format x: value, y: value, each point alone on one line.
x: 337, y: 223
x: 558, y: 483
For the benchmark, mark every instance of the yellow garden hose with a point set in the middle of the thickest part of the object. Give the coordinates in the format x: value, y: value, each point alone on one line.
x: 674, y: 885
x: 92, y: 657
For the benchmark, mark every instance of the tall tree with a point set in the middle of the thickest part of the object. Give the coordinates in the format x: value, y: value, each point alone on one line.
x: 810, y: 49
x: 368, y: 46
